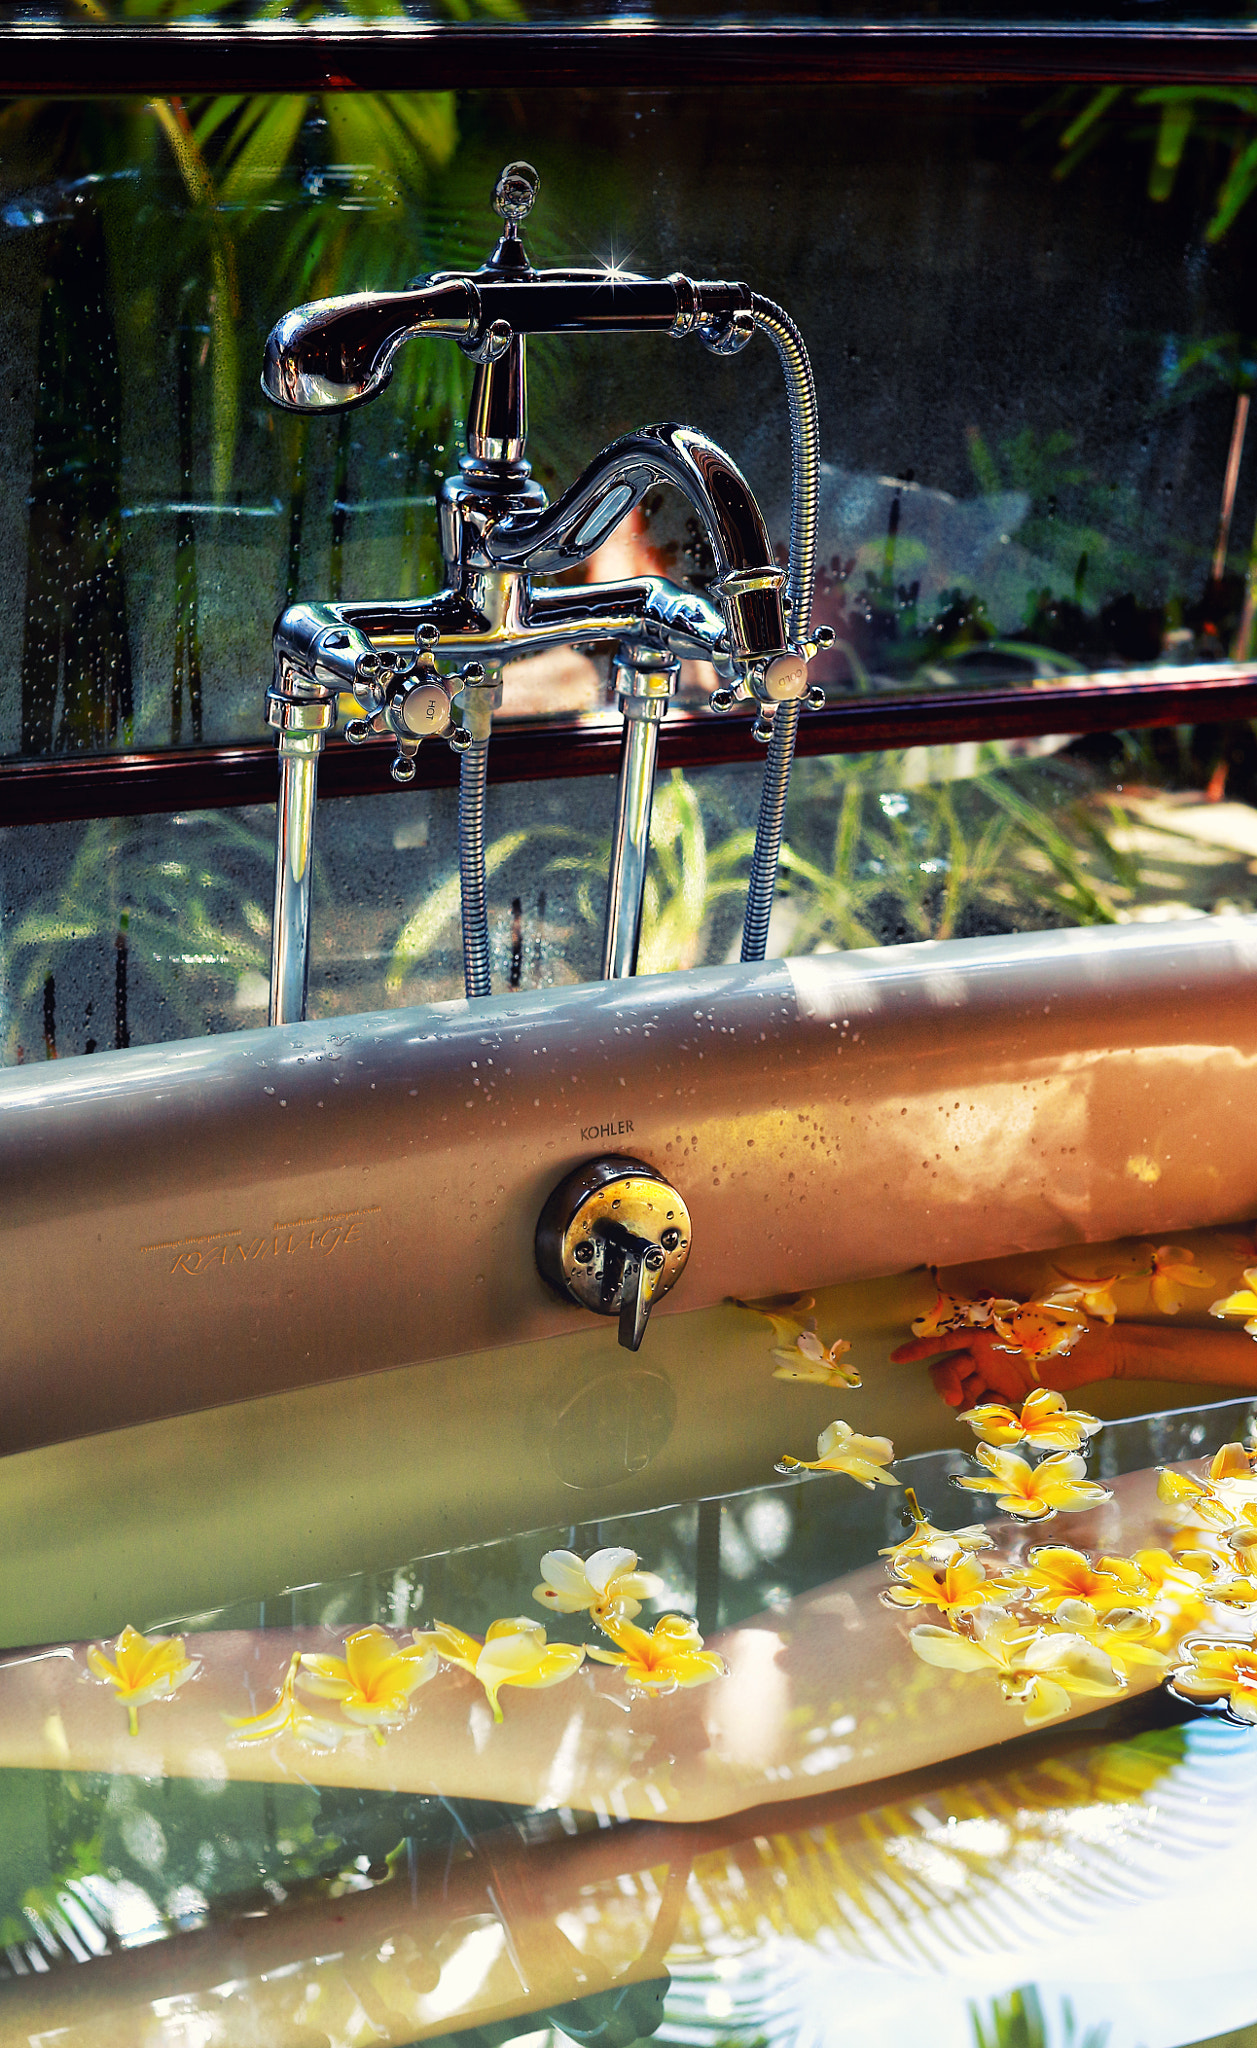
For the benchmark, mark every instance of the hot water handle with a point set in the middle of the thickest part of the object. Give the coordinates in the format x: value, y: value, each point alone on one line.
x: 614, y: 1237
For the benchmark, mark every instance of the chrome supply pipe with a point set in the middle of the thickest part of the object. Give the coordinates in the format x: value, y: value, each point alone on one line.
x: 646, y: 680
x: 630, y: 848
x: 294, y: 873
x: 301, y: 705
x: 805, y: 466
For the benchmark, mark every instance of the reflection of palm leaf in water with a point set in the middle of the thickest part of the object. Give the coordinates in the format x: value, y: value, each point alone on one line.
x: 1017, y: 2021
x: 989, y: 1866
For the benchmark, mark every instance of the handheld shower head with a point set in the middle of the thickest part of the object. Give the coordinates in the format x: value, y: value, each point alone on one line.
x: 335, y: 353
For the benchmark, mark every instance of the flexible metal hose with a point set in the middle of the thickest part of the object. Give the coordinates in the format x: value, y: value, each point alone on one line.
x: 805, y: 493
x: 473, y: 775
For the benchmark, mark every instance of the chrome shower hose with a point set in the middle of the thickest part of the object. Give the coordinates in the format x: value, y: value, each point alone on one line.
x: 805, y: 492
x: 473, y: 773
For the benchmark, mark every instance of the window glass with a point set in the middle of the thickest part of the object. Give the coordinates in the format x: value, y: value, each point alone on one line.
x: 1031, y: 338
x: 1030, y: 318
x: 133, y: 930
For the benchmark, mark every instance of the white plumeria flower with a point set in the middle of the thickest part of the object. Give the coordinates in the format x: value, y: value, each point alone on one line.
x: 608, y: 1580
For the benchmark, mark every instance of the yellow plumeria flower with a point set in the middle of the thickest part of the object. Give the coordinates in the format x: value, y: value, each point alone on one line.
x: 1089, y: 1292
x: 1221, y: 1499
x: 1241, y: 1537
x: 1038, y: 1329
x: 513, y: 1652
x: 935, y: 1545
x: 373, y: 1681
x: 1242, y: 1303
x: 1032, y: 1492
x: 1125, y: 1638
x: 1174, y: 1274
x: 1038, y: 1669
x: 1232, y: 1463
x: 287, y: 1716
x: 659, y: 1661
x: 785, y: 1312
x: 1055, y: 1573
x: 839, y: 1449
x: 142, y: 1668
x: 1183, y: 1586
x: 958, y: 1586
x: 1219, y: 1674
x: 1045, y: 1422
x: 1191, y: 1496
x: 606, y: 1580
x: 819, y: 1364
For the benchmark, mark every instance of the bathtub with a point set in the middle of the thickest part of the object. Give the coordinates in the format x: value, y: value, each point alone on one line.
x: 272, y: 1309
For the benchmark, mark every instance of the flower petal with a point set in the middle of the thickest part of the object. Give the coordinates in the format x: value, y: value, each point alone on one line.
x: 949, y: 1651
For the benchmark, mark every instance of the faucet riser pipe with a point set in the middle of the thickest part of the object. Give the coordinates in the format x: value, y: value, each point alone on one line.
x: 630, y: 848
x: 294, y: 874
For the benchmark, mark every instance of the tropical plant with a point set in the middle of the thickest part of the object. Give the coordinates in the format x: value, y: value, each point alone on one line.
x: 178, y: 928
x: 350, y: 172
x: 1011, y: 847
x: 1222, y: 119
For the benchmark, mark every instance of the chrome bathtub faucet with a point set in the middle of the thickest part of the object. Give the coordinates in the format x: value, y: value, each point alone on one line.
x: 431, y: 667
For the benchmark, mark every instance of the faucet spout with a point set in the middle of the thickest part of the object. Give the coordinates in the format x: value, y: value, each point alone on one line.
x: 748, y: 582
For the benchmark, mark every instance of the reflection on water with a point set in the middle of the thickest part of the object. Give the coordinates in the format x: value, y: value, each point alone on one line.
x: 1104, y: 1863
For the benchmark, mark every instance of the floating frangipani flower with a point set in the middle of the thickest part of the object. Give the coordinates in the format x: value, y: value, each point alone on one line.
x: 1191, y: 1496
x: 1038, y: 1329
x: 1241, y: 1537
x: 1090, y: 1292
x: 1242, y: 1303
x: 1045, y: 1422
x: 785, y: 1312
x: 1232, y: 1462
x: 1173, y: 1274
x: 936, y: 1545
x: 1032, y: 1329
x: 839, y: 1449
x: 287, y: 1716
x: 1125, y: 1637
x: 1032, y: 1492
x: 1041, y: 1670
x: 816, y: 1363
x: 958, y: 1586
x: 662, y: 1659
x: 1217, y: 1674
x: 373, y: 1681
x: 1183, y: 1586
x: 604, y: 1582
x: 1220, y: 1500
x: 513, y: 1652
x: 142, y: 1668
x: 955, y: 1312
x: 1054, y: 1574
